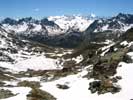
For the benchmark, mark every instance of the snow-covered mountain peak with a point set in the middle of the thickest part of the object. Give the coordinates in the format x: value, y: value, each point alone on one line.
x: 74, y: 22
x: 118, y: 23
x: 92, y: 15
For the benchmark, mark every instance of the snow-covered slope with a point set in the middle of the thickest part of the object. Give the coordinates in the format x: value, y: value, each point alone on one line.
x: 30, y: 26
x: 79, y: 86
x: 119, y: 26
x: 38, y: 63
x: 16, y: 28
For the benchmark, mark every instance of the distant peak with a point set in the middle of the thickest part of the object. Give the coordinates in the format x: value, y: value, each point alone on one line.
x: 123, y: 15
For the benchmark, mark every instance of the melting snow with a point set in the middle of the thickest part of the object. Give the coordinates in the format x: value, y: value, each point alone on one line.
x: 124, y: 43
x: 79, y: 86
x: 33, y: 63
x: 20, y: 91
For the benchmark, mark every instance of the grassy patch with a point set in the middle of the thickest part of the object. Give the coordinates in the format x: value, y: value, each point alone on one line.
x: 32, y: 84
x: 5, y: 94
x: 37, y: 94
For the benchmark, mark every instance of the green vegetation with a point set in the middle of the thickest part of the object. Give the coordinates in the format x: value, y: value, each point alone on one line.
x: 32, y: 84
x: 5, y: 94
x: 104, y: 86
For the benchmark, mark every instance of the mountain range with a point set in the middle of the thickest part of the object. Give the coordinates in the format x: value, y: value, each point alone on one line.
x: 58, y: 30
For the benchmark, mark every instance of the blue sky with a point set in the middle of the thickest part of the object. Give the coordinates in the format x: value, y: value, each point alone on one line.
x: 43, y: 8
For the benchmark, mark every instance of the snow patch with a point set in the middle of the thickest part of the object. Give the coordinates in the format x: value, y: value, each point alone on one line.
x: 105, y: 27
x: 78, y: 59
x: 37, y: 27
x: 124, y: 43
x: 37, y: 63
